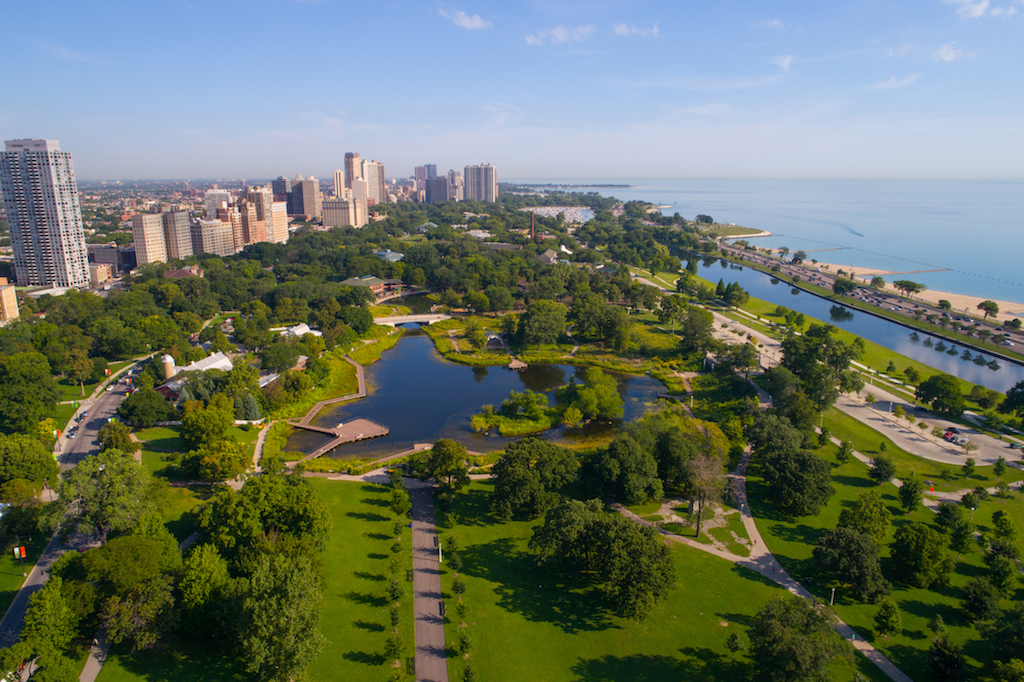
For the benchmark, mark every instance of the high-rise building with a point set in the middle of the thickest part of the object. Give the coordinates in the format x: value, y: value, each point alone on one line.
x: 216, y: 199
x: 148, y: 235
x: 306, y: 197
x: 282, y: 189
x: 40, y: 195
x: 8, y: 302
x: 233, y: 216
x: 177, y: 234
x: 373, y: 173
x: 360, y: 198
x: 481, y: 183
x: 339, y: 213
x: 339, y: 182
x: 427, y: 170
x: 353, y: 168
x: 456, y: 188
x: 277, y: 231
x: 213, y: 236
x: 437, y: 189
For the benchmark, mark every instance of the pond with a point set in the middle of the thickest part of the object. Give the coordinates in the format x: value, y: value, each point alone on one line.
x: 891, y: 335
x: 421, y: 397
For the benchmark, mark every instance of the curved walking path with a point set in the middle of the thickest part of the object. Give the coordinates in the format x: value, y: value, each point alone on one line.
x: 764, y: 562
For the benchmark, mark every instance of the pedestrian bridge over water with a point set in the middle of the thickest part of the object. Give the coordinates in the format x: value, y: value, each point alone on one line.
x: 425, y: 318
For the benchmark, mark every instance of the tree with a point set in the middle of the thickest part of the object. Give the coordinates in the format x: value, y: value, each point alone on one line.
x: 218, y: 461
x: 981, y: 600
x: 851, y: 557
x: 822, y: 363
x: 911, y: 493
x: 628, y: 471
x: 842, y: 286
x: 597, y: 397
x: 29, y: 391
x: 79, y: 367
x: 912, y: 374
x: 845, y: 452
x: 142, y: 616
x: 543, y: 322
x: 799, y: 481
x: 882, y: 469
x: 919, y: 555
x: 792, y: 640
x: 989, y: 308
x: 705, y: 476
x: 968, y: 467
x: 144, y: 408
x: 869, y: 515
x: 887, y: 619
x: 116, y: 436
x: 1004, y: 526
x: 24, y: 458
x: 500, y: 298
x: 695, y: 330
x: 447, y: 463
x: 908, y: 287
x: 103, y: 494
x: 50, y: 622
x: 281, y: 634
x: 634, y: 568
x: 999, y: 469
x: 946, y: 661
x: 204, y: 584
x: 529, y: 476
x: 202, y: 426
x: 942, y: 392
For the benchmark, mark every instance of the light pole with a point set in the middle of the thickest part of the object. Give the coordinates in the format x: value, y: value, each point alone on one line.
x: 972, y: 514
x: 832, y: 602
x: 440, y: 559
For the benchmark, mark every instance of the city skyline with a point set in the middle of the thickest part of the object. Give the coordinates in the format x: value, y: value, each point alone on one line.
x: 547, y: 90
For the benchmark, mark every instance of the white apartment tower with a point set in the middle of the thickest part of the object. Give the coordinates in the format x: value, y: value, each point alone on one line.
x: 339, y: 183
x: 150, y: 242
x: 177, y: 234
x: 37, y: 181
x: 481, y: 183
x: 373, y: 174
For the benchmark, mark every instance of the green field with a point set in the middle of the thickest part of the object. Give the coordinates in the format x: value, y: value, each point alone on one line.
x: 353, y: 615
x: 792, y: 542
x: 528, y: 623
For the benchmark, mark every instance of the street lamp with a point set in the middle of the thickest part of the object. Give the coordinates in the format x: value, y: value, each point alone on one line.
x: 972, y: 513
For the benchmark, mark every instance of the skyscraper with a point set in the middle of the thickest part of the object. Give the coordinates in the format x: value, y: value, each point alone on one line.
x: 373, y: 173
x: 339, y: 182
x: 481, y: 183
x: 37, y: 181
x: 353, y: 168
x: 306, y: 197
x: 177, y: 234
x: 427, y: 170
x: 456, y: 188
x: 148, y: 235
x: 437, y: 189
x: 215, y: 200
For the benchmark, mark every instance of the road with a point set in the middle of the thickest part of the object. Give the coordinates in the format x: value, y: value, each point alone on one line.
x: 431, y: 654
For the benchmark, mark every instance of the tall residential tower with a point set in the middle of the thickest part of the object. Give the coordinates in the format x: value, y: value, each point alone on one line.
x: 40, y: 194
x: 481, y: 183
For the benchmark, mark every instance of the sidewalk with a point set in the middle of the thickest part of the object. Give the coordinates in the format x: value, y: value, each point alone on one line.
x: 431, y: 653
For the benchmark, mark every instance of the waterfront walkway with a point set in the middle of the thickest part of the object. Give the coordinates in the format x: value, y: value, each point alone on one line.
x: 347, y: 432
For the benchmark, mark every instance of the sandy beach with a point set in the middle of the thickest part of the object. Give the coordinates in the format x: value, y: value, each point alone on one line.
x: 961, y: 303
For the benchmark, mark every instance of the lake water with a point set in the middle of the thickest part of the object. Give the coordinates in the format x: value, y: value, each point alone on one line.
x: 421, y: 397
x: 970, y: 229
x: 883, y: 332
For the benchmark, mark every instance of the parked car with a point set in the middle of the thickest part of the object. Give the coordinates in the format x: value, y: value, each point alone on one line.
x: 1016, y: 446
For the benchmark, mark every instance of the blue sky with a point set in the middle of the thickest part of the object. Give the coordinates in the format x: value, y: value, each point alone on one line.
x: 607, y: 89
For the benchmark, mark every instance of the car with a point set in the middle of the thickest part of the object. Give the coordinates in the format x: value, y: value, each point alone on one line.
x: 952, y: 429
x: 920, y: 408
x: 110, y: 387
x: 1007, y: 343
x: 1017, y: 446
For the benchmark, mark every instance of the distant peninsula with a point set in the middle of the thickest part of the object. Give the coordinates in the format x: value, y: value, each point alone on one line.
x: 559, y: 186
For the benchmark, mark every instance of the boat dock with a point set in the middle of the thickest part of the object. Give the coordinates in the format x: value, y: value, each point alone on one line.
x: 350, y: 432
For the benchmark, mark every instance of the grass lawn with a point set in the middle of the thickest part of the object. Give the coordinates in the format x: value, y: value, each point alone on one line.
x: 62, y: 415
x: 161, y: 438
x: 341, y: 380
x: 793, y: 540
x: 867, y: 441
x: 371, y: 353
x: 11, y: 577
x: 70, y: 390
x: 354, y: 613
x: 182, y: 662
x: 521, y: 631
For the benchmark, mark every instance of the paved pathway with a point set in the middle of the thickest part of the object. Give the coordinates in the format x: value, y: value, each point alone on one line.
x: 762, y: 561
x: 431, y: 654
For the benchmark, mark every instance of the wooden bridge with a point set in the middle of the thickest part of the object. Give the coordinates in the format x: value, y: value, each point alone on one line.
x: 350, y: 432
x: 424, y: 318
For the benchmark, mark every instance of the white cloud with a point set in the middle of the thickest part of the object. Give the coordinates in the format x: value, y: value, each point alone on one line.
x: 463, y: 20
x: 772, y: 23
x: 627, y: 30
x: 560, y: 34
x: 970, y: 8
x: 1004, y: 11
x: 895, y: 83
x: 947, y: 53
x: 783, y: 61
x: 900, y: 51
